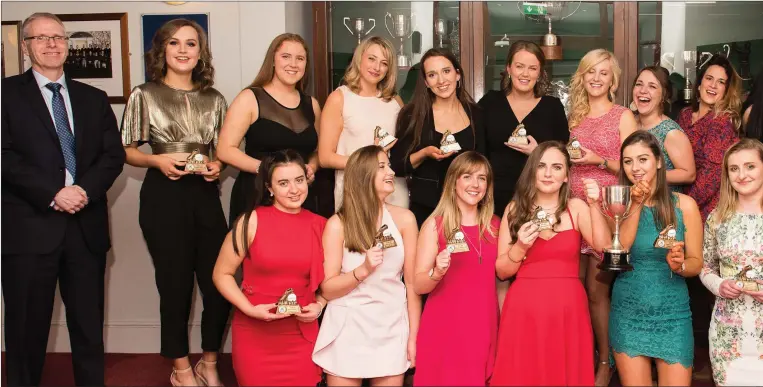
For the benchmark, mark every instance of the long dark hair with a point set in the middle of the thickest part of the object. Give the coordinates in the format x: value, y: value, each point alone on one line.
x: 662, y: 199
x: 262, y: 182
x: 524, y: 196
x: 754, y: 127
x: 156, y: 64
x: 419, y: 109
x: 731, y: 102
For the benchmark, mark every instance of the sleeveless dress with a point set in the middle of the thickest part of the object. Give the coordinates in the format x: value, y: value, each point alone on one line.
x: 277, y: 353
x: 545, y: 338
x: 364, y: 334
x: 459, y: 327
x: 277, y: 128
x: 661, y: 132
x: 361, y: 117
x: 736, y: 328
x: 601, y: 135
x: 650, y: 314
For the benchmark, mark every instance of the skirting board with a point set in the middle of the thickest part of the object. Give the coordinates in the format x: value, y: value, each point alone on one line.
x: 128, y: 337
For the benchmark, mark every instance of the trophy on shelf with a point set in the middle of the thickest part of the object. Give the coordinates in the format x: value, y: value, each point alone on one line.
x: 384, y: 238
x: 547, y: 12
x: 358, y: 27
x: 441, y: 30
x: 616, y: 203
x: 457, y: 244
x: 574, y: 148
x: 383, y: 137
x: 519, y: 135
x: 666, y: 238
x: 195, y: 162
x: 402, y: 29
x: 448, y: 143
x: 287, y: 304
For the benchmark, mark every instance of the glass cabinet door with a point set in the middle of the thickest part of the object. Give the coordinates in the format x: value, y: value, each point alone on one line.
x: 411, y: 27
x: 578, y: 26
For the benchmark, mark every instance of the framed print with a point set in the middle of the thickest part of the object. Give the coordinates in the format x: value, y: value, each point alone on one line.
x: 13, y: 59
x: 152, y: 22
x: 99, y: 52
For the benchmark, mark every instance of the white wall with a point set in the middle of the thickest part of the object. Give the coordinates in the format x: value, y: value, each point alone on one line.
x: 240, y: 33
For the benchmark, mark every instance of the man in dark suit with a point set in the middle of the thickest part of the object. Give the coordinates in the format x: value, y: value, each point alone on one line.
x: 61, y: 152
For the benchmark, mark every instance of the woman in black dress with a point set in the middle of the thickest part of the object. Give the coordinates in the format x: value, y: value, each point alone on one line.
x: 521, y: 101
x: 273, y: 114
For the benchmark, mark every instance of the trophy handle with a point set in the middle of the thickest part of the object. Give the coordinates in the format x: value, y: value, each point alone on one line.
x: 389, y: 15
x: 704, y: 62
x: 413, y: 25
x: 344, y: 22
x: 630, y: 211
x: 372, y: 27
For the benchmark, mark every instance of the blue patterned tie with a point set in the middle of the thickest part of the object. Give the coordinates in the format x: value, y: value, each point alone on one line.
x: 63, y: 129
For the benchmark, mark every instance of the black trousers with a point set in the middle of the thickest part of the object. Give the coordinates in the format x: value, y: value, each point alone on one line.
x: 184, y: 226
x: 29, y: 287
x: 420, y: 211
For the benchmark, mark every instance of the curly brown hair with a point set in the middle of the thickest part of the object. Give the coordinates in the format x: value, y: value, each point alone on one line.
x: 156, y: 64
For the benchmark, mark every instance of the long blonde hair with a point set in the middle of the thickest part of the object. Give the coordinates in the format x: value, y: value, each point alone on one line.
x: 579, y: 106
x: 360, y: 203
x: 447, y: 207
x: 387, y: 85
x: 267, y: 70
x: 728, y: 196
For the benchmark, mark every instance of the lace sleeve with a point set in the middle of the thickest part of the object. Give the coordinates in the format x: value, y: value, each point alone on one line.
x: 710, y: 274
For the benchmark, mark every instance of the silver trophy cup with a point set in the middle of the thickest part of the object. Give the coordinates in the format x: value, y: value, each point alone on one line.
x: 616, y: 203
x: 441, y: 29
x: 402, y: 29
x: 358, y: 27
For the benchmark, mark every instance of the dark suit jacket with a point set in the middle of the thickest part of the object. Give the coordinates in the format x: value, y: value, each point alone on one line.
x: 33, y: 166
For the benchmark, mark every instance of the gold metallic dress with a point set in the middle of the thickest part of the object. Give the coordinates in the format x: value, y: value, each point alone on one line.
x: 173, y: 120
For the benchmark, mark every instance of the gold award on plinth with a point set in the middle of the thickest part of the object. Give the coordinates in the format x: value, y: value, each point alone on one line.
x: 448, y: 143
x: 287, y: 304
x: 573, y: 148
x: 457, y: 244
x: 195, y: 162
x: 667, y: 238
x: 383, y: 137
x: 519, y: 136
x: 542, y: 219
x: 745, y: 278
x: 384, y: 237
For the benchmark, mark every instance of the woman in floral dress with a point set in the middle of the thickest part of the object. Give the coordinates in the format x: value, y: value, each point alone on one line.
x: 733, y: 243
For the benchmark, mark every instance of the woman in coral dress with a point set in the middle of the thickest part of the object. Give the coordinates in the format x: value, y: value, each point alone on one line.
x: 456, y: 341
x: 270, y: 348
x: 545, y: 336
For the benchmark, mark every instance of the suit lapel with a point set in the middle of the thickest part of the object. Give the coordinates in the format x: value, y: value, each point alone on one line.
x: 37, y: 103
x: 78, y: 113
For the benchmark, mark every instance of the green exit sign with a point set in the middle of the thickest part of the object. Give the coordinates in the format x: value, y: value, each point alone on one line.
x: 533, y: 9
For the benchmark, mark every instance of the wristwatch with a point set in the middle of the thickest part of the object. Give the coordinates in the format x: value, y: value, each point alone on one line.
x: 603, y: 164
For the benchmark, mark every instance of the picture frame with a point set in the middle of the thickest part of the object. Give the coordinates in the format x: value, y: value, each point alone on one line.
x: 150, y: 23
x: 99, y: 52
x: 12, y: 56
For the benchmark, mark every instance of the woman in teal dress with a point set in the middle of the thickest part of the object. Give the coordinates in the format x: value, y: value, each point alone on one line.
x: 650, y: 316
x: 652, y: 92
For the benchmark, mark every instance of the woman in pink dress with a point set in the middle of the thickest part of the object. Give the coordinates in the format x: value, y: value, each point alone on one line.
x: 545, y: 335
x: 600, y: 126
x: 459, y: 326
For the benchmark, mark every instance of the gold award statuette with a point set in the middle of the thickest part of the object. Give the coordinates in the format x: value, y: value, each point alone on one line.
x: 195, y: 162
x: 448, y: 143
x: 573, y: 148
x: 519, y: 135
x: 384, y: 237
x: 746, y: 279
x: 287, y: 304
x: 457, y: 244
x: 667, y: 238
x: 383, y: 137
x: 542, y: 219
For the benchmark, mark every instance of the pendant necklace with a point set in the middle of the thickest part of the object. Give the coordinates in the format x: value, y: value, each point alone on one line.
x: 479, y: 252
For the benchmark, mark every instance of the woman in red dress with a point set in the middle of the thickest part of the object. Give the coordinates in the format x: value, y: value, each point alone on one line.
x: 545, y: 335
x: 269, y: 348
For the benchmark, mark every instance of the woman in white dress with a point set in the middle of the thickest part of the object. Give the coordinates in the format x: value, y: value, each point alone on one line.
x: 366, y: 99
x: 733, y: 269
x: 370, y: 324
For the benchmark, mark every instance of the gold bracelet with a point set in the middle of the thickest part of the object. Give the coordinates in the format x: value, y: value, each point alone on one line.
x: 520, y: 261
x: 356, y: 277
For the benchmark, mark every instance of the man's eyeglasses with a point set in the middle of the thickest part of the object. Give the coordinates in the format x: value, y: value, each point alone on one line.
x: 46, y: 39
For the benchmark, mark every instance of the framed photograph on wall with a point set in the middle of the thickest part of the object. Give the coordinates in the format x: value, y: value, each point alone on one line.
x: 13, y: 59
x: 99, y: 53
x: 152, y: 22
